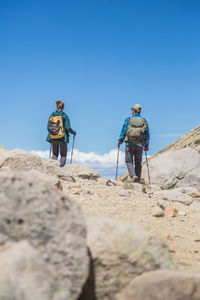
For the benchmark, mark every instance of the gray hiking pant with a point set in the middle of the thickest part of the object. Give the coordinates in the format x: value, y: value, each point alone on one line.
x: 133, y: 159
x: 61, y: 147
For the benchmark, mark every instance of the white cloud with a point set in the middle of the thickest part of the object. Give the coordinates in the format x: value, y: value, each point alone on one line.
x: 91, y: 159
x: 42, y: 154
x: 106, y: 160
x: 105, y: 164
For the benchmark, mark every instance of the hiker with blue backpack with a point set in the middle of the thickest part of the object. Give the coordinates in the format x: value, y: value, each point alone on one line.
x: 59, y: 128
x: 135, y: 133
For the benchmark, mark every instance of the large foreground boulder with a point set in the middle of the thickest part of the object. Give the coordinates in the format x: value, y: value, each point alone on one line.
x: 175, y: 168
x: 52, y: 224
x: 24, y: 274
x: 122, y: 251
x: 163, y: 285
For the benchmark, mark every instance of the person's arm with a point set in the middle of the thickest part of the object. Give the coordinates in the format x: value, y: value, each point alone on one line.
x: 68, y: 126
x: 123, y: 132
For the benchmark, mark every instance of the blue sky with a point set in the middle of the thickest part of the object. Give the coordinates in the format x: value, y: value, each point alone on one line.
x: 100, y: 58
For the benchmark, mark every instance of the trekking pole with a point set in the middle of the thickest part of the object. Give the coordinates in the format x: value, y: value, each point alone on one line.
x: 72, y: 150
x: 147, y: 167
x: 50, y: 151
x: 117, y: 164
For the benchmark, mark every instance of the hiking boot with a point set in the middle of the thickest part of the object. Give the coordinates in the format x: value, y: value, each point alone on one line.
x: 129, y: 179
x: 135, y: 179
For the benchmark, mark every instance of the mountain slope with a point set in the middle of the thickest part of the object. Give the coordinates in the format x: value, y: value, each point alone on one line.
x: 190, y: 139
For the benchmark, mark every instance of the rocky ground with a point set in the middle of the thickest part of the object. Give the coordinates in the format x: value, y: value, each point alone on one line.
x: 96, y: 238
x: 138, y: 204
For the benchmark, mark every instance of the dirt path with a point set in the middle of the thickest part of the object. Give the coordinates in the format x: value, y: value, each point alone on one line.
x: 182, y: 234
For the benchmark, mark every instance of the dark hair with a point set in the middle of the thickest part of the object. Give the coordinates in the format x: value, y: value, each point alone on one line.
x: 59, y: 104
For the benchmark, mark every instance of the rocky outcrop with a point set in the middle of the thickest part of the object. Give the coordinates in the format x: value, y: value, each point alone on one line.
x: 163, y: 285
x: 189, y: 140
x: 20, y: 160
x: 25, y: 161
x: 174, y: 195
x: 52, y: 225
x: 83, y: 172
x: 122, y: 251
x: 175, y: 168
x: 52, y: 167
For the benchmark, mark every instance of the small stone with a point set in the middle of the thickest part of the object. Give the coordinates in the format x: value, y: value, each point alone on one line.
x: 154, y: 188
x: 110, y: 183
x: 77, y: 193
x: 124, y: 193
x: 149, y: 194
x: 59, y: 185
x: 171, y: 211
x: 76, y: 186
x: 141, y: 188
x: 88, y: 192
x: 68, y: 187
x: 182, y: 213
x: 162, y: 204
x: 194, y: 195
x: 158, y: 212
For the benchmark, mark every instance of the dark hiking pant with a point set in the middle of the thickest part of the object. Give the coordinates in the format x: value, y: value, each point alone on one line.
x: 59, y: 147
x: 133, y: 159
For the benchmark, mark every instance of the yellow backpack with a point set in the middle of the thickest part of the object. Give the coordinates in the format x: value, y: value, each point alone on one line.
x: 55, y: 127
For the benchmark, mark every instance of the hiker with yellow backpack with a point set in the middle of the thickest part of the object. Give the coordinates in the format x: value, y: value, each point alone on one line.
x: 59, y: 128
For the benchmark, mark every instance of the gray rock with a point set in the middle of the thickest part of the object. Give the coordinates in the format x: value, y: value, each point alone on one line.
x: 122, y: 251
x: 20, y: 160
x: 175, y: 168
x: 158, y: 212
x: 192, y: 178
x: 24, y: 274
x: 52, y: 167
x: 52, y: 223
x: 162, y: 203
x: 175, y: 196
x: 52, y: 181
x: 123, y: 193
x: 171, y: 211
x: 83, y: 172
x: 141, y: 188
x: 187, y: 190
x: 163, y: 285
x: 182, y: 213
x: 110, y: 183
x: 154, y: 188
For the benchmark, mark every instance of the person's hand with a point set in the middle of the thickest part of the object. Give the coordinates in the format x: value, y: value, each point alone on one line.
x: 118, y: 145
x: 146, y: 149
